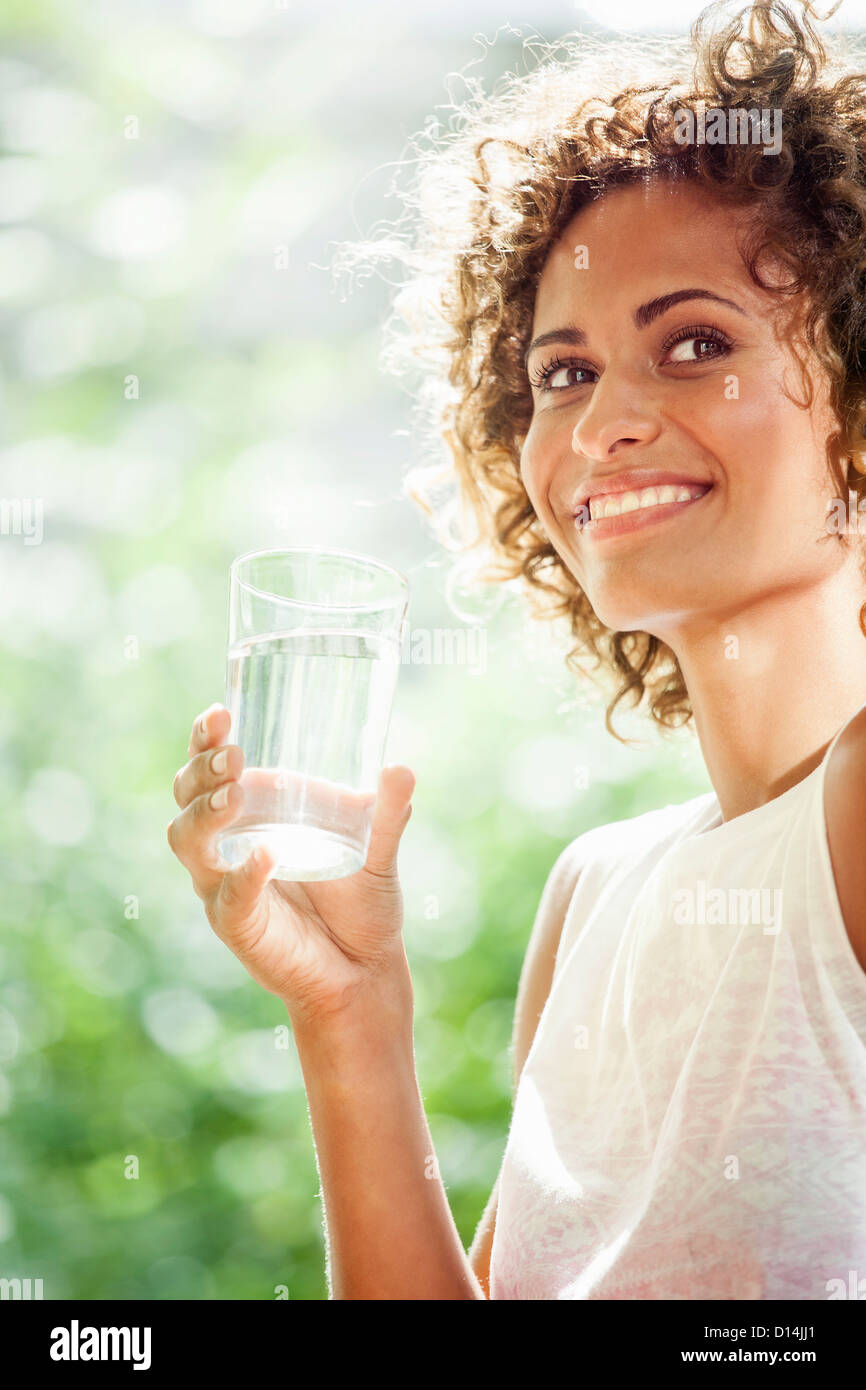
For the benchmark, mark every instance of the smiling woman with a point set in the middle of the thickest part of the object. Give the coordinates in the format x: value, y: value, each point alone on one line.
x: 645, y: 355
x: 646, y: 358
x: 498, y: 264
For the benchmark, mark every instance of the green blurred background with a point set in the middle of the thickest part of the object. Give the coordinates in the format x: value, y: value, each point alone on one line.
x: 180, y: 383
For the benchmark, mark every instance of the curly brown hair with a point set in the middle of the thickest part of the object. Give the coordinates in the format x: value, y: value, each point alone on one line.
x: 491, y: 195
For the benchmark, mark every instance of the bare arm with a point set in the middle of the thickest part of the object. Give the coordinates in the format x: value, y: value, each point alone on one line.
x: 390, y: 1231
x: 390, y: 1228
x: 333, y: 952
x: 535, y: 981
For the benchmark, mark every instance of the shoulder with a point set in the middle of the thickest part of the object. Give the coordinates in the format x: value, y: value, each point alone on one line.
x: 636, y: 837
x: 561, y: 882
x: 592, y: 857
x: 536, y: 976
x: 599, y: 846
x: 845, y: 816
x: 550, y: 918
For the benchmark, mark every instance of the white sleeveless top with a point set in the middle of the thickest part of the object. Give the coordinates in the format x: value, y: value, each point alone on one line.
x: 691, y: 1119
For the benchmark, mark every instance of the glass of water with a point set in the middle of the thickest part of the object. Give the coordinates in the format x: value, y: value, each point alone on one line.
x: 314, y: 652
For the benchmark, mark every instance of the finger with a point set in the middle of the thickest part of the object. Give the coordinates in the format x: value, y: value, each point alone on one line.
x: 209, y: 729
x: 192, y: 834
x: 238, y: 897
x: 391, y: 815
x: 206, y: 771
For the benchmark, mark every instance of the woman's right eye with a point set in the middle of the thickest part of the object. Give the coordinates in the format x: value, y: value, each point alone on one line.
x: 544, y: 378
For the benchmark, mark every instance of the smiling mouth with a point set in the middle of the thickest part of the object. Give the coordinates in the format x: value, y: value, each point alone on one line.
x: 616, y: 513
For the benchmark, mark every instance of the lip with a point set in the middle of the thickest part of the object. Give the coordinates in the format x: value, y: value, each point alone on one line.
x: 631, y: 480
x: 609, y: 526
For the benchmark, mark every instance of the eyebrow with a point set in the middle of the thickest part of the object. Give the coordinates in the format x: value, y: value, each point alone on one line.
x: 643, y: 316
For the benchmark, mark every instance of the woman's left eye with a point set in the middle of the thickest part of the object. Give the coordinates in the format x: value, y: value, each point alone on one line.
x: 711, y: 337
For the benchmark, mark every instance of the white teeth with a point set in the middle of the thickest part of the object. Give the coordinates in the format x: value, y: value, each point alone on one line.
x: 614, y: 504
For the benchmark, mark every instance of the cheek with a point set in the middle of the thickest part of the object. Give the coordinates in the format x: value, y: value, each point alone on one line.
x: 779, y: 445
x: 530, y: 468
x: 735, y: 412
x: 762, y: 439
x: 538, y: 460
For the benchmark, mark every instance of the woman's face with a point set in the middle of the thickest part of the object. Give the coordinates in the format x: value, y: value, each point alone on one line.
x: 692, y: 394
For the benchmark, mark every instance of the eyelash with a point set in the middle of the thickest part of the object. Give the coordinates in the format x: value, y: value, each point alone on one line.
x: 701, y: 333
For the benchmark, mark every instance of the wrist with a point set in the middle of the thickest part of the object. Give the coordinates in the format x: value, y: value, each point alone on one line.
x: 380, y: 1006
x: 344, y: 1056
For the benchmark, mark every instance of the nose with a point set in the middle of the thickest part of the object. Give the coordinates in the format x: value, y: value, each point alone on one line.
x: 617, y: 414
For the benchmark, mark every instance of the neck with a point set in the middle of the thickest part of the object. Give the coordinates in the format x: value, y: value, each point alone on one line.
x: 771, y: 685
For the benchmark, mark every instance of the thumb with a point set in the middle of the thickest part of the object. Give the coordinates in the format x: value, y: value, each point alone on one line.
x: 240, y: 892
x: 390, y: 817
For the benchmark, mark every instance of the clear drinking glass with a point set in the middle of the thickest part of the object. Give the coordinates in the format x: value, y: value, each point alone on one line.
x: 314, y: 653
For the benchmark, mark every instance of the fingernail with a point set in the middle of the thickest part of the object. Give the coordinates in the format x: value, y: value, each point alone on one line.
x: 219, y: 798
x: 219, y: 762
x: 202, y: 724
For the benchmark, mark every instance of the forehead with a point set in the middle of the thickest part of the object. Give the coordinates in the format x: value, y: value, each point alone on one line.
x: 647, y: 238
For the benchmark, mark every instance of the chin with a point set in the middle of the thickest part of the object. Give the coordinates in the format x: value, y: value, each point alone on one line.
x: 618, y: 614
x: 655, y: 615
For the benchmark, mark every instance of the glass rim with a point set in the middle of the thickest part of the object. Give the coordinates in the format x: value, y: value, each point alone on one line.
x: 370, y: 561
